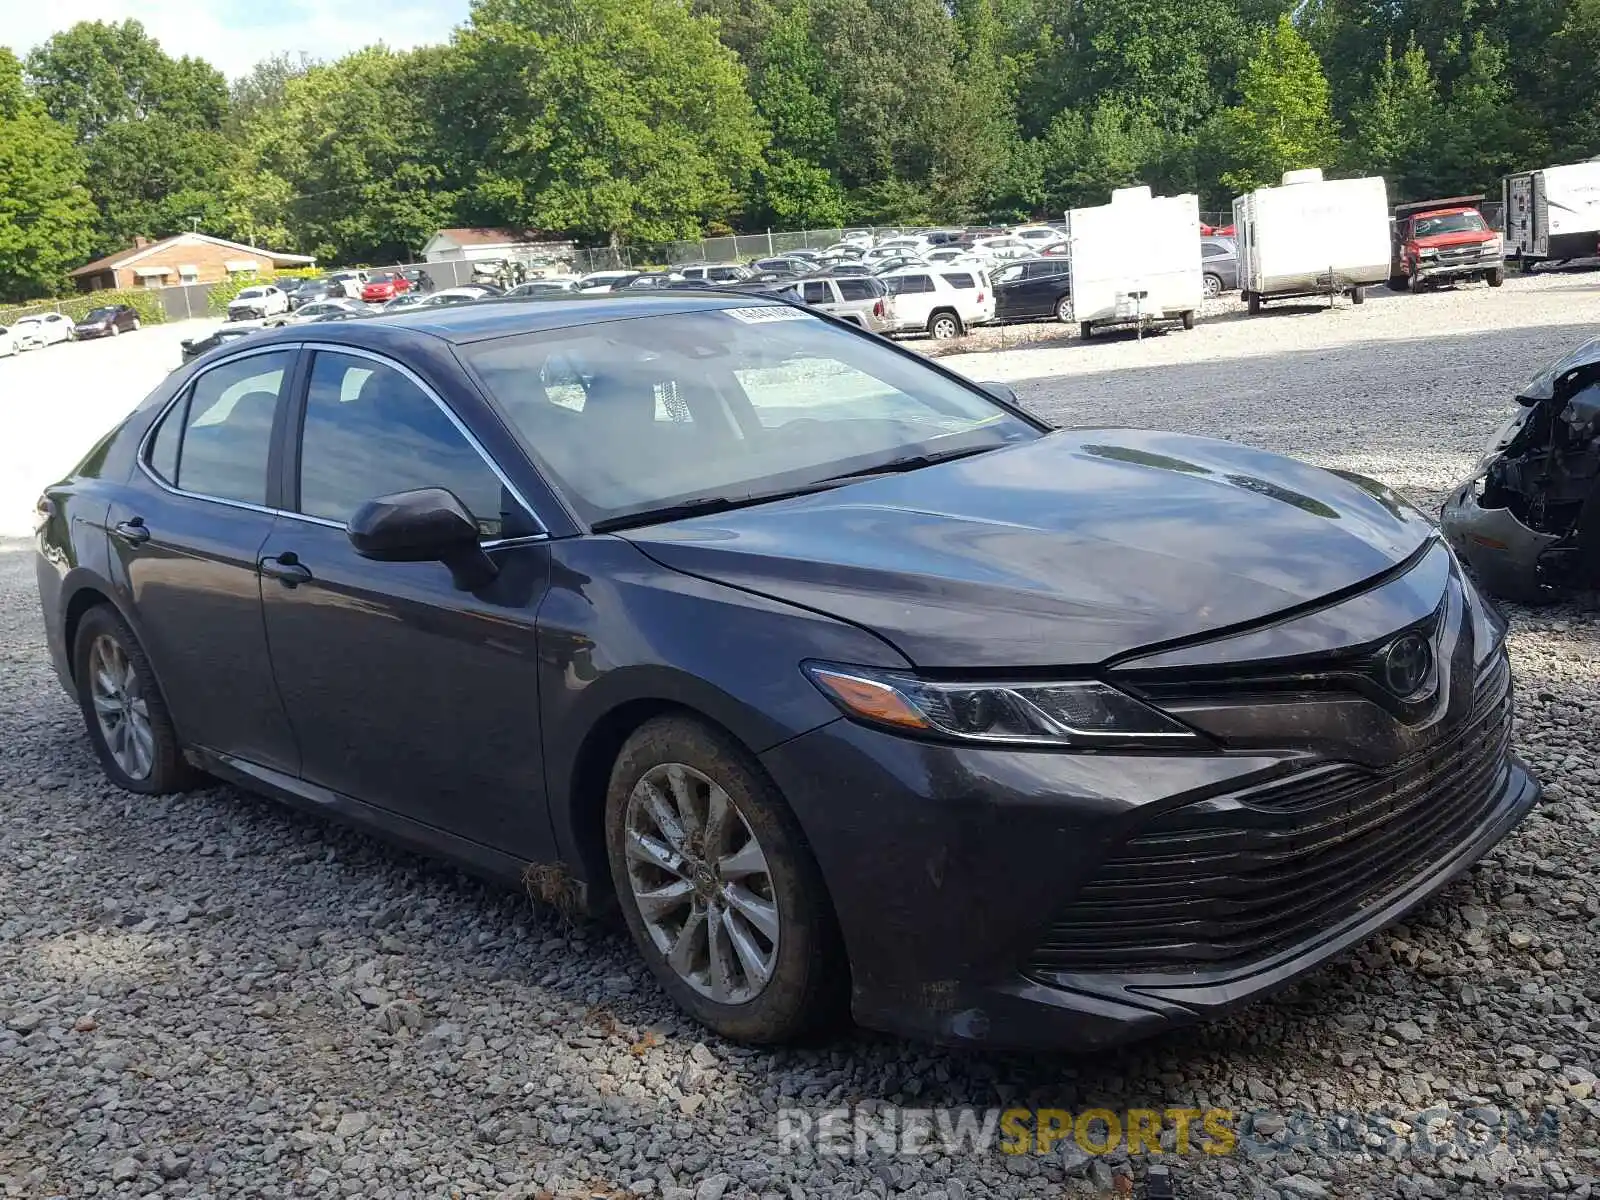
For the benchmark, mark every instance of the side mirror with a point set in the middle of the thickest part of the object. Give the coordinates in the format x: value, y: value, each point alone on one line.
x: 1002, y: 391
x: 425, y: 525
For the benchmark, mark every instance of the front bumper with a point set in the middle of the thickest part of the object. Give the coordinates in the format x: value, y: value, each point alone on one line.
x: 949, y: 865
x: 93, y: 331
x: 1451, y: 270
x: 1502, y: 551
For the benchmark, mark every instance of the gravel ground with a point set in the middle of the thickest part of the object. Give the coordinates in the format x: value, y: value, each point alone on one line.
x: 211, y: 995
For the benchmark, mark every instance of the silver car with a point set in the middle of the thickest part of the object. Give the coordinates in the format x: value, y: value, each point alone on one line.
x: 860, y: 299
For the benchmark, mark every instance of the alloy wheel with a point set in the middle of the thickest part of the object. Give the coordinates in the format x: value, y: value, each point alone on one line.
x: 1064, y: 309
x: 1213, y: 287
x: 701, y: 883
x: 120, y: 708
x: 944, y: 327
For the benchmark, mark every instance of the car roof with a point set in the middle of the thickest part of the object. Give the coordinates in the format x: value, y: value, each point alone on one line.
x: 483, y: 320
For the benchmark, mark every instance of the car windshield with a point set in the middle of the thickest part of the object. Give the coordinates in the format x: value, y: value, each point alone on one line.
x: 634, y: 415
x: 251, y: 294
x: 100, y: 314
x: 1468, y: 222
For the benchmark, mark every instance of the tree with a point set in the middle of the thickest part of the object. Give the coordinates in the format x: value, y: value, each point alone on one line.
x: 621, y: 119
x: 1393, y: 130
x: 45, y: 211
x: 346, y: 164
x: 795, y: 93
x: 1284, y: 120
x: 1574, y: 51
x: 97, y: 74
x: 1085, y: 157
x: 262, y: 90
x: 1485, y: 131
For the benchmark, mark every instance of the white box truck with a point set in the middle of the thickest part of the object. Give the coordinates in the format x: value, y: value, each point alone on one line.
x: 1312, y: 236
x: 1135, y: 261
x: 1553, y: 214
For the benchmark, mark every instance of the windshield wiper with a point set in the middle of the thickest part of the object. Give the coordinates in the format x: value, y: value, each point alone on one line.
x: 914, y: 462
x: 701, y: 506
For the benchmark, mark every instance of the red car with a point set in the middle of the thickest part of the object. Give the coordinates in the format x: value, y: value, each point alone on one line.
x: 385, y: 285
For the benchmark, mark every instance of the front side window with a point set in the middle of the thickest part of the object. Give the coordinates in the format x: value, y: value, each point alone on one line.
x: 370, y: 431
x: 626, y: 416
x: 224, y: 430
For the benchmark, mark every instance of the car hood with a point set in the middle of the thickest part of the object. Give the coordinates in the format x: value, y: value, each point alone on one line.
x: 1462, y: 237
x: 1071, y: 550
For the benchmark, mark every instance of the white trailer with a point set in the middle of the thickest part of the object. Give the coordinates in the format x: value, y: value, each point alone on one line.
x: 1135, y: 261
x: 1553, y: 214
x: 1312, y: 236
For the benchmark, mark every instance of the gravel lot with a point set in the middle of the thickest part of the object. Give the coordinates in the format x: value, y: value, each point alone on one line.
x: 213, y: 996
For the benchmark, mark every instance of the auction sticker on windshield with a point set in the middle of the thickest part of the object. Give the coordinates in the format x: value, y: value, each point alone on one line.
x: 760, y: 316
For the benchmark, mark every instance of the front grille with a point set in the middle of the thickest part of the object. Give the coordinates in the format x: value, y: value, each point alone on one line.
x: 1233, y: 879
x: 1461, y: 254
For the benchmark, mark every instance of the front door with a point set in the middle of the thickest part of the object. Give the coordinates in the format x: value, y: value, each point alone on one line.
x: 404, y: 691
x: 185, y: 538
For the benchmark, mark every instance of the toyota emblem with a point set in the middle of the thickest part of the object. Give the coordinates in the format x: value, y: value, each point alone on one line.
x: 1407, y: 664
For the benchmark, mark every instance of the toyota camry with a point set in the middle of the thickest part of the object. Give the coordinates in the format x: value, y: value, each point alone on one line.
x: 852, y: 686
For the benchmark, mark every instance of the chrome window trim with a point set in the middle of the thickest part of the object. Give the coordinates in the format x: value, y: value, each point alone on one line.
x: 143, y: 453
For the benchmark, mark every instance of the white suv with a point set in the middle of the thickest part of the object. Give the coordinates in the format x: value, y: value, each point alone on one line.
x: 944, y: 301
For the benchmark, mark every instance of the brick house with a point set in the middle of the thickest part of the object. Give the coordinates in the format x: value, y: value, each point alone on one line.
x: 184, y: 258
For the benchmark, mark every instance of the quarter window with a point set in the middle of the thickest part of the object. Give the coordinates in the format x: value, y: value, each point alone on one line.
x: 960, y: 280
x: 220, y: 436
x: 370, y: 431
x: 817, y: 292
x: 857, y: 289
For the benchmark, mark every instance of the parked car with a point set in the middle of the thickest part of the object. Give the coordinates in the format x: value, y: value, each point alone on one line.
x: 257, y: 303
x: 1219, y: 266
x: 897, y: 262
x: 308, y: 291
x: 547, y: 286
x: 1003, y: 248
x: 646, y: 610
x: 384, y: 285
x: 321, y: 309
x: 862, y: 301
x: 107, y: 321
x: 846, y: 250
x: 349, y: 282
x: 925, y: 302
x: 784, y: 265
x: 1039, y: 236
x: 716, y: 272
x: 467, y: 293
x: 604, y: 281
x: 42, y: 329
x: 651, y: 281
x: 193, y: 348
x: 1526, y: 520
x: 1034, y: 289
x: 10, y: 342
x: 1439, y: 241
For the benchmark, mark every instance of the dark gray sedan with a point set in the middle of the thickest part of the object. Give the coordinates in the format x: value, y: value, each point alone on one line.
x: 852, y: 685
x: 1219, y: 265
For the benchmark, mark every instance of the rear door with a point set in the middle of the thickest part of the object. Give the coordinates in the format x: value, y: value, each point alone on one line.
x: 185, y: 538
x: 404, y: 691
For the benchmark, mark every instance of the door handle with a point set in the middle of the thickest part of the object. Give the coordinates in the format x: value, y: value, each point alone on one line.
x: 132, y: 531
x: 287, y: 569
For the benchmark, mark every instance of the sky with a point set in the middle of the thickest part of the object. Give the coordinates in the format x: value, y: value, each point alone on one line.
x: 235, y: 34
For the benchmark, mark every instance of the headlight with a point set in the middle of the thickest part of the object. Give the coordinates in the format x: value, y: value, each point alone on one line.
x: 1428, y: 251
x: 1084, y: 714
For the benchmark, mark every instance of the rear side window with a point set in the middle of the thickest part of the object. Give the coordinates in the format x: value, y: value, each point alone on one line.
x: 905, y: 285
x: 858, y: 289
x: 816, y: 292
x: 960, y: 279
x: 370, y: 431
x: 217, y: 440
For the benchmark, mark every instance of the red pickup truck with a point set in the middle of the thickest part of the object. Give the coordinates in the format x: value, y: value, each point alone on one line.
x: 1439, y: 240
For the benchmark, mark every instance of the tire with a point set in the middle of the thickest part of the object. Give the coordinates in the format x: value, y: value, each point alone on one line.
x: 1415, y: 283
x: 1252, y: 303
x: 1086, y: 330
x: 807, y: 985
x: 1188, y: 319
x: 944, y: 325
x: 1358, y: 295
x: 114, y: 329
x: 166, y: 770
x: 1064, y: 310
x: 134, y: 328
x: 1496, y: 277
x: 1213, y: 285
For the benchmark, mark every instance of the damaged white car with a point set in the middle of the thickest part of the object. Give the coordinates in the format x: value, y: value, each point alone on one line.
x: 1528, y: 520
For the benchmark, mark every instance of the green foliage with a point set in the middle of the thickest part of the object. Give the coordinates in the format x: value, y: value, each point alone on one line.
x: 619, y: 119
x: 144, y: 301
x: 341, y: 167
x: 1284, y: 119
x: 45, y: 210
